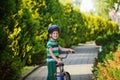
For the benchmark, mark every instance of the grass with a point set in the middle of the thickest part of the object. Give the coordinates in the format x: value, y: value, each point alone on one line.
x: 81, y: 44
x: 27, y: 69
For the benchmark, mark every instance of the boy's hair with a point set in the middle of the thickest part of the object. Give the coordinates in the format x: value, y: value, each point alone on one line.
x: 53, y: 28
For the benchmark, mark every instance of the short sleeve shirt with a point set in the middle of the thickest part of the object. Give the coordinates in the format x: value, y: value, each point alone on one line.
x: 55, y: 47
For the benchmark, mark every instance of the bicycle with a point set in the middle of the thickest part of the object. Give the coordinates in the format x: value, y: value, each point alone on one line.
x: 62, y: 75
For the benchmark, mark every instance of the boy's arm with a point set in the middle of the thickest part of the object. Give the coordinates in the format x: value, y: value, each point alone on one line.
x: 66, y: 49
x: 53, y: 56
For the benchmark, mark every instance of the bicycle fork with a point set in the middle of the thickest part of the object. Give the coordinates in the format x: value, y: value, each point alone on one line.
x: 60, y: 74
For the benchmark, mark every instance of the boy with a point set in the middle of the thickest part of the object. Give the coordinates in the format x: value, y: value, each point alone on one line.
x: 53, y: 49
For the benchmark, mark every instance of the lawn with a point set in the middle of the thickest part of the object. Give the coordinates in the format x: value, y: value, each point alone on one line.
x: 28, y: 69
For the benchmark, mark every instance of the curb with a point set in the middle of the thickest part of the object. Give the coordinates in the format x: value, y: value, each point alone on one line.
x: 26, y: 75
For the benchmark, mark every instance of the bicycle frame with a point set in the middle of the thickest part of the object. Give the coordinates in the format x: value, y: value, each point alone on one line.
x: 61, y: 74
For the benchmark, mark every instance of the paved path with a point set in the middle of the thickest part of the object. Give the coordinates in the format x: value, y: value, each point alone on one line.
x: 79, y: 65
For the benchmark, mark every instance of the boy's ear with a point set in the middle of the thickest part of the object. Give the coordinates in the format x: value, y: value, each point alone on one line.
x: 50, y: 35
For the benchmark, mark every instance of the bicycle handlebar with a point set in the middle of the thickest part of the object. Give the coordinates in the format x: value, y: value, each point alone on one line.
x: 67, y: 52
x: 61, y: 58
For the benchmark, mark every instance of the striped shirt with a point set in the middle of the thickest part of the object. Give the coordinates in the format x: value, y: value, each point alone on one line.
x: 55, y: 47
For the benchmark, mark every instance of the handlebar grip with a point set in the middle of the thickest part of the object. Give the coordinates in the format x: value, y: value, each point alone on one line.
x: 62, y: 52
x: 71, y: 52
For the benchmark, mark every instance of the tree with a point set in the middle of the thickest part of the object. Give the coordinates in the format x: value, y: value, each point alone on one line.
x: 103, y: 7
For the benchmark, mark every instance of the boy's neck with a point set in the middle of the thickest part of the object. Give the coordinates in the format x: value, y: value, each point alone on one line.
x: 52, y: 39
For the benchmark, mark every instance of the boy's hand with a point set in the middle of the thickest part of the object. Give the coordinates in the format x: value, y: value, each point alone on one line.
x: 71, y: 50
x: 60, y: 62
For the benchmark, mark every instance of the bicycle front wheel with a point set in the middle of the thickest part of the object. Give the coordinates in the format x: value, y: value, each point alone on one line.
x: 67, y: 76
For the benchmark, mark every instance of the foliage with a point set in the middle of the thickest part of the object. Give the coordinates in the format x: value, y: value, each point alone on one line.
x: 107, y: 64
x: 100, y: 41
x: 109, y: 38
x: 109, y: 69
x: 109, y: 42
x: 103, y: 7
x: 10, y: 67
x: 29, y: 34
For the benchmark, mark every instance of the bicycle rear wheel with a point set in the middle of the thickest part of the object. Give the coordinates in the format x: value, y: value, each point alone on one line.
x: 67, y: 76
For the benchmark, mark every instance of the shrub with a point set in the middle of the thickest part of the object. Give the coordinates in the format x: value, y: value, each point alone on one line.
x: 99, y: 41
x: 109, y: 69
x: 10, y: 67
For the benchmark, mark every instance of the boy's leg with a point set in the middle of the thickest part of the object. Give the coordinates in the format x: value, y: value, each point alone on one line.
x: 51, y: 70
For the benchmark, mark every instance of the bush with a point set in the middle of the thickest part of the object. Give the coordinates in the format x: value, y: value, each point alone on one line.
x: 99, y: 41
x: 10, y: 67
x: 109, y: 42
x: 107, y: 65
x: 109, y: 69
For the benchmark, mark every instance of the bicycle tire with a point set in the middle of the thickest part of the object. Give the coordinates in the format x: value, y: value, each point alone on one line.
x: 67, y: 76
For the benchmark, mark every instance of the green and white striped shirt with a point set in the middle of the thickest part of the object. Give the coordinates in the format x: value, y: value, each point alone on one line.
x: 55, y: 47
